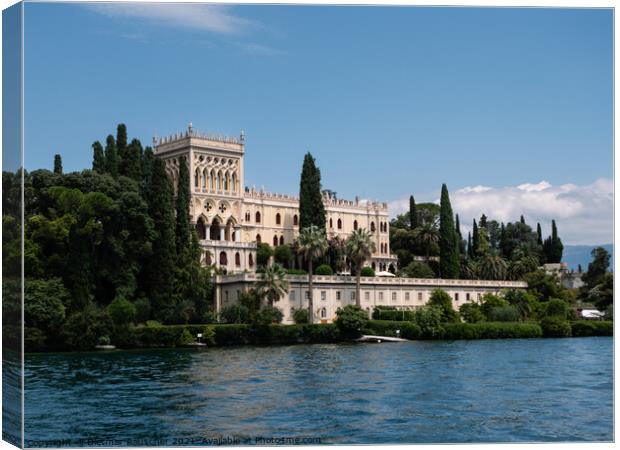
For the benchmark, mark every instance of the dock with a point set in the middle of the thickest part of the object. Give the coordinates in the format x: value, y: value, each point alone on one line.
x: 379, y: 339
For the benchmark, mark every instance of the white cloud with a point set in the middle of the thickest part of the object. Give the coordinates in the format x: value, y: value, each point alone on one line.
x: 583, y: 213
x: 211, y: 18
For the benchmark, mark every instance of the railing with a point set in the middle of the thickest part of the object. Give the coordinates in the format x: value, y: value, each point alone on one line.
x: 227, y: 244
x: 191, y: 132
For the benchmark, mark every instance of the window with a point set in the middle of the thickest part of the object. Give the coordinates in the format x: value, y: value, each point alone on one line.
x: 258, y: 238
x: 251, y: 260
x: 372, y: 227
x: 352, y: 295
x: 478, y: 295
x: 420, y: 298
x: 331, y: 224
x: 323, y: 313
x: 247, y: 216
x: 307, y: 295
x: 237, y: 259
x: 338, y: 294
x: 275, y: 241
x: 323, y: 295
x: 278, y: 219
x: 467, y: 297
x: 339, y: 224
x: 281, y: 240
x: 238, y: 294
x: 257, y: 217
x: 295, y: 220
x: 393, y: 296
x: 355, y: 224
x: 380, y: 295
x: 407, y: 296
x: 223, y: 259
x: 366, y: 295
x: 291, y: 295
x: 456, y: 297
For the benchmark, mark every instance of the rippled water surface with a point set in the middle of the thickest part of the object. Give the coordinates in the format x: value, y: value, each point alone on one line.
x: 413, y: 392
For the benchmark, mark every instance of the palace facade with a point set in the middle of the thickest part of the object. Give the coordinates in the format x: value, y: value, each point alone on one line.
x: 231, y: 219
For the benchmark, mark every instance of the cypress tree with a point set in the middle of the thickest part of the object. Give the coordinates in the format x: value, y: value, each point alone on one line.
x: 132, y: 162
x: 311, y: 208
x: 182, y: 210
x: 539, y: 240
x: 483, y: 221
x: 413, y: 213
x: 475, y: 239
x: 57, y: 164
x: 470, y: 250
x: 162, y: 262
x: 459, y: 236
x: 448, y: 246
x: 147, y: 170
x: 556, y: 247
x: 111, y: 156
x: 522, y: 220
x: 121, y: 145
x: 503, y: 241
x: 98, y: 158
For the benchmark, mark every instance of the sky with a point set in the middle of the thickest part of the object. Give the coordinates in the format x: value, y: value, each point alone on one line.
x: 511, y: 108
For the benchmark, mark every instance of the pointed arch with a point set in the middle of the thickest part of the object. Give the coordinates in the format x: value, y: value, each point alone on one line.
x: 281, y: 240
x: 278, y: 218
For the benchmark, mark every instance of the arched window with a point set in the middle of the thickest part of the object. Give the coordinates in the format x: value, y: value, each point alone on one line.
x: 372, y: 226
x: 355, y: 224
x: 258, y: 238
x: 323, y: 313
x: 247, y: 216
x: 257, y: 216
x: 278, y: 219
x: 196, y: 178
x: 281, y: 240
x: 331, y: 224
x: 237, y: 259
x: 374, y: 266
x: 223, y: 259
x: 295, y: 220
x: 275, y: 241
x: 339, y: 224
x: 201, y: 229
x: 251, y: 260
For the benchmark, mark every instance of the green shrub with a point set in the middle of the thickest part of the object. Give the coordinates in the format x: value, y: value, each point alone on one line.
x: 471, y: 312
x: 321, y: 333
x: 582, y: 328
x: 263, y: 253
x: 408, y: 330
x: 367, y: 272
x: 186, y: 337
x: 504, y: 314
x: 416, y: 269
x: 208, y: 335
x: 300, y: 316
x: 555, y: 327
x: 442, y: 300
x: 490, y: 301
x: 351, y: 320
x: 153, y: 323
x: 390, y: 313
x: 556, y: 308
x: 323, y: 269
x: 491, y: 330
x: 235, y: 314
x: 268, y: 315
x: 121, y: 310
x: 233, y: 334
x: 428, y: 318
x: 283, y: 255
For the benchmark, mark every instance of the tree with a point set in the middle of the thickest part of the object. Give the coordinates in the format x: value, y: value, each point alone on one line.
x: 448, y: 247
x: 182, y: 210
x: 493, y: 267
x: 471, y: 312
x: 553, y: 246
x: 57, y: 164
x: 483, y: 221
x: 312, y: 246
x: 539, y: 239
x: 132, y: 161
x: 416, y: 269
x: 121, y: 145
x: 162, y: 263
x: 263, y: 253
x: 351, y: 320
x: 99, y: 164
x: 597, y: 268
x: 426, y: 236
x: 413, y: 214
x: 442, y: 300
x: 283, y: 255
x: 121, y: 311
x: 311, y: 208
x: 470, y: 249
x: 359, y: 248
x: 111, y: 156
x: 272, y: 284
x: 459, y: 236
x: 475, y: 240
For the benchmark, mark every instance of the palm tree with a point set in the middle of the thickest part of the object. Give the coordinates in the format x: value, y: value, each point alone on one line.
x: 272, y: 284
x: 524, y: 265
x: 312, y: 245
x: 359, y: 247
x: 426, y: 235
x: 469, y: 269
x: 493, y: 267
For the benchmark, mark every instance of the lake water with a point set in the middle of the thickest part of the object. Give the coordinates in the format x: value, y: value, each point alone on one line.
x: 415, y: 392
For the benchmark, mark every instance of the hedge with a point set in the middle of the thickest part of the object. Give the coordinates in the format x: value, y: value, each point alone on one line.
x: 583, y: 328
x: 393, y: 314
x: 491, y: 330
x: 408, y: 330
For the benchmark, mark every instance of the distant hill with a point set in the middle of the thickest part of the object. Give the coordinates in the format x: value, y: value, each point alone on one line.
x: 580, y: 254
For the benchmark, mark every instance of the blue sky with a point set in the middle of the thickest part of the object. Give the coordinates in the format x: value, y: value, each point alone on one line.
x: 390, y: 100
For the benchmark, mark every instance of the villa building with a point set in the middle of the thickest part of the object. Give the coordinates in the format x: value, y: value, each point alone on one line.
x: 231, y: 219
